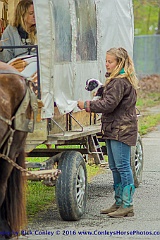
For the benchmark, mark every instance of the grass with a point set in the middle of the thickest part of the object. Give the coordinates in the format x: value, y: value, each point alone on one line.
x: 148, y: 120
x: 92, y: 171
x: 147, y: 123
x: 40, y: 197
x: 147, y: 100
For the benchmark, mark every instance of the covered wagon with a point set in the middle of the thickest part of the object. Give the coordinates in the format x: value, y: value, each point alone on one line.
x: 73, y: 37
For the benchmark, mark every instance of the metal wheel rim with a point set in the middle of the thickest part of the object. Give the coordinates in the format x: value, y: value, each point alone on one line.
x: 138, y: 160
x: 80, y: 186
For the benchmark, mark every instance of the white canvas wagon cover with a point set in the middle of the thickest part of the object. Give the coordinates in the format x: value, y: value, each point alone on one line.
x: 73, y: 37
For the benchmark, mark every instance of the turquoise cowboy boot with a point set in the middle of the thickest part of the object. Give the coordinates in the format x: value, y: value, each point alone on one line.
x: 126, y: 209
x: 118, y: 198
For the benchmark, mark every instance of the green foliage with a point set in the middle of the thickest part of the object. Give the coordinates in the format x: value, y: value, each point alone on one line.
x: 146, y: 16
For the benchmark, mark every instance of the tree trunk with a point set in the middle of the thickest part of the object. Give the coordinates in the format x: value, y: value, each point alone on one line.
x: 158, y: 30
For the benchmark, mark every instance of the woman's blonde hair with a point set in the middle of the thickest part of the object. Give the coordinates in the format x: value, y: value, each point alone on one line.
x: 123, y: 61
x: 20, y: 12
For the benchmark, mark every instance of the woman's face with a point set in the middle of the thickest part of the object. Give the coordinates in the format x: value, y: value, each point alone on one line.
x: 29, y: 18
x: 111, y: 63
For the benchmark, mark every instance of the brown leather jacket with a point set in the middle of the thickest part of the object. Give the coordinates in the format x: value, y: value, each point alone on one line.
x: 117, y: 105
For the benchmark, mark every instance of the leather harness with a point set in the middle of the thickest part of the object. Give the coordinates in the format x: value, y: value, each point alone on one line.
x: 19, y: 121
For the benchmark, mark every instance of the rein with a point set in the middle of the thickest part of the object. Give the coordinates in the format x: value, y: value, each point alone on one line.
x: 51, y: 176
x: 8, y: 136
x: 9, y: 122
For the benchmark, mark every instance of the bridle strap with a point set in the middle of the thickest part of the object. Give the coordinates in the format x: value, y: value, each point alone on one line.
x: 9, y: 140
x: 8, y: 136
x: 9, y: 122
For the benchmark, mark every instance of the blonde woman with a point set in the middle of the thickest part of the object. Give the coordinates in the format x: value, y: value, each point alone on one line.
x: 119, y: 126
x: 22, y: 31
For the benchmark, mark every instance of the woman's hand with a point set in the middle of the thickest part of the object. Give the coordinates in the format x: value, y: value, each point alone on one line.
x: 80, y: 104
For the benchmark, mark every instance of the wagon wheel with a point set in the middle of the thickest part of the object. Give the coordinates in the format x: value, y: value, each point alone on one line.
x: 137, y: 161
x: 71, y: 186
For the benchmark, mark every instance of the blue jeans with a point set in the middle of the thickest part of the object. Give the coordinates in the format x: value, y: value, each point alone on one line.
x: 119, y: 162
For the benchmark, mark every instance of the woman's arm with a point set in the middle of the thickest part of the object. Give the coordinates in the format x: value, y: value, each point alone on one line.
x: 10, y: 37
x: 112, y: 96
x: 8, y: 40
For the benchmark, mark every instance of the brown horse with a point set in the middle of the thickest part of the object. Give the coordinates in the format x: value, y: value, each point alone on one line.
x: 12, y: 183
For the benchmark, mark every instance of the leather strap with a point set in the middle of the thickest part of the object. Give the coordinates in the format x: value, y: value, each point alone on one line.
x: 11, y: 72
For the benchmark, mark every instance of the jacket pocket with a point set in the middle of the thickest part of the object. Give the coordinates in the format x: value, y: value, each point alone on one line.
x: 107, y: 123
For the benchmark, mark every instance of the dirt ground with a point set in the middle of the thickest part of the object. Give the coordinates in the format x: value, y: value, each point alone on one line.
x: 150, y: 83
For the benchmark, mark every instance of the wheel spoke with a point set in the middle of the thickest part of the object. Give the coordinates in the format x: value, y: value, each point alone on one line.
x: 138, y: 159
x: 80, y: 186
